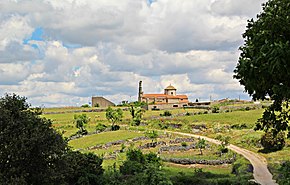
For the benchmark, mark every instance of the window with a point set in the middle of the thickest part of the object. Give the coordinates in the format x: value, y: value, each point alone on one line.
x: 175, y: 105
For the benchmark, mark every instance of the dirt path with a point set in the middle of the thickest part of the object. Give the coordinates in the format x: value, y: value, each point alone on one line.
x: 261, y: 172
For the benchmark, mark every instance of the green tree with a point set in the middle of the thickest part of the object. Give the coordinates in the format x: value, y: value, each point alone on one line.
x: 81, y: 121
x: 30, y: 148
x: 143, y: 169
x: 224, y: 143
x: 284, y: 173
x: 31, y: 151
x: 83, y: 168
x: 273, y: 143
x: 201, y: 144
x: 136, y: 113
x: 152, y: 135
x: 114, y: 116
x: 264, y: 63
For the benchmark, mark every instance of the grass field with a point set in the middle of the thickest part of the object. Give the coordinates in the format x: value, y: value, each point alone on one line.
x: 216, y: 124
x: 102, y: 138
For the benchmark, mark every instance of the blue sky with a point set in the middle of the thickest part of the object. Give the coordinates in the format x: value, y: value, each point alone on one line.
x: 37, y: 34
x: 60, y: 53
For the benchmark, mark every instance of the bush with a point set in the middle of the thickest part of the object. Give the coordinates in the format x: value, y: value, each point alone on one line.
x: 223, y: 149
x: 82, y: 132
x: 81, y: 121
x: 115, y: 127
x: 137, y: 161
x: 247, y: 108
x: 100, y: 127
x: 239, y: 126
x: 284, y: 175
x: 184, y: 144
x: 215, y: 109
x: 166, y: 113
x: 241, y: 167
x: 85, y: 106
x: 271, y: 142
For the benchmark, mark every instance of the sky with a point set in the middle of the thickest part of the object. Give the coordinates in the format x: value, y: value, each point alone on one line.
x: 63, y: 52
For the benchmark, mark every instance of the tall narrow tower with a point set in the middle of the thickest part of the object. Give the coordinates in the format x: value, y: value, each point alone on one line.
x: 140, y: 92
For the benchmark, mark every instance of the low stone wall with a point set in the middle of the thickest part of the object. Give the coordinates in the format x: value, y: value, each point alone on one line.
x: 174, y: 148
x: 140, y: 138
x: 107, y: 145
x: 180, y: 140
x: 186, y: 161
x: 152, y: 145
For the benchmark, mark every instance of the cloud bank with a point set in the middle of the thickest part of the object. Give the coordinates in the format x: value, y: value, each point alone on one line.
x: 60, y: 53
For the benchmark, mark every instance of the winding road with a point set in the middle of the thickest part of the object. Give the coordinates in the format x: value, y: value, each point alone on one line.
x: 261, y: 172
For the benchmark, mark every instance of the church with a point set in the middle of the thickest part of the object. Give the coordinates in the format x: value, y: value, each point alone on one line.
x: 168, y: 100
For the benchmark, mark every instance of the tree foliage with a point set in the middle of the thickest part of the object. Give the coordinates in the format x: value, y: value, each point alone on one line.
x: 264, y: 64
x: 225, y: 141
x: 81, y: 121
x: 82, y: 168
x: 284, y: 173
x: 114, y: 115
x: 136, y: 113
x: 152, y: 135
x: 31, y: 152
x: 29, y: 146
x: 272, y: 142
x: 201, y: 144
x: 143, y: 169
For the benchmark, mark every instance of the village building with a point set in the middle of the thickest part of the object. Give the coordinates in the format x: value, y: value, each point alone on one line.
x: 98, y: 101
x: 170, y: 99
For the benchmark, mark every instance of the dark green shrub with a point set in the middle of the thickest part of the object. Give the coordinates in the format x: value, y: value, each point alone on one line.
x: 137, y: 161
x: 163, y: 126
x: 166, y: 113
x: 115, y: 127
x: 122, y: 148
x: 81, y: 121
x: 215, y: 109
x: 85, y: 106
x: 82, y: 132
x: 184, y: 144
x: 284, y: 173
x: 100, y: 127
x: 241, y: 167
x: 271, y: 142
x: 239, y: 126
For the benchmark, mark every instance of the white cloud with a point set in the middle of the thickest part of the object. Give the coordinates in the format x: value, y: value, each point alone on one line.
x: 105, y: 48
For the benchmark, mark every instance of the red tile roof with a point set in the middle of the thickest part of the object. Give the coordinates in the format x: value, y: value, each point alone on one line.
x: 164, y: 96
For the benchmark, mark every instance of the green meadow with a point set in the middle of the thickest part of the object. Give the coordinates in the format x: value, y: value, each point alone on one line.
x: 238, y: 125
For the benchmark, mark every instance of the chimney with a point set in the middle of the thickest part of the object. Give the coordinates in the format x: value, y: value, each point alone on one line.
x: 140, y: 91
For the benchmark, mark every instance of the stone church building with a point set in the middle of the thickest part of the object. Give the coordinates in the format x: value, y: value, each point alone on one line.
x: 168, y: 100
